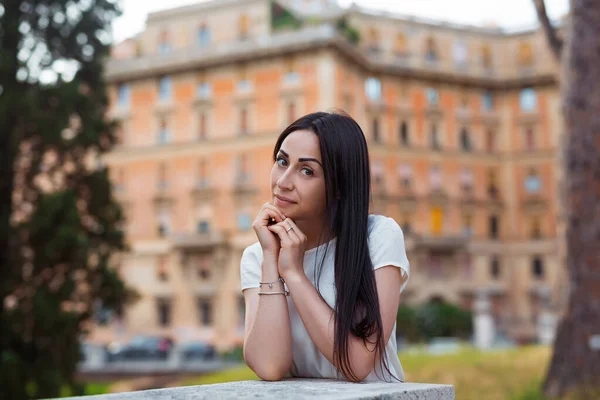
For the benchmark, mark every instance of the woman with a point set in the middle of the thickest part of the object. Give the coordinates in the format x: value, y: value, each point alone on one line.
x: 322, y: 283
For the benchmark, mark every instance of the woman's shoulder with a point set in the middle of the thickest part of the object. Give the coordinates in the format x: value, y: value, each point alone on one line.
x: 378, y: 224
x: 254, y: 250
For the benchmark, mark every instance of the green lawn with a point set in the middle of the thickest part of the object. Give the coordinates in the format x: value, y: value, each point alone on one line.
x: 507, y: 374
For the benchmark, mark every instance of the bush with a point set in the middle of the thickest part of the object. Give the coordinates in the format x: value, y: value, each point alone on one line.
x: 236, y: 354
x: 433, y: 320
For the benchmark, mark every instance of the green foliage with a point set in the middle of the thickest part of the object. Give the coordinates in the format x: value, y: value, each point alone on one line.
x: 349, y: 32
x: 236, y: 354
x: 59, y: 223
x: 433, y: 320
x: 281, y: 18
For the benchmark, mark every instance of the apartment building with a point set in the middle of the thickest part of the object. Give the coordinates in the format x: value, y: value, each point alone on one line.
x: 462, y: 124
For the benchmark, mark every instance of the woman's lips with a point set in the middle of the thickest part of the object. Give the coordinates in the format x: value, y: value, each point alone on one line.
x: 282, y: 202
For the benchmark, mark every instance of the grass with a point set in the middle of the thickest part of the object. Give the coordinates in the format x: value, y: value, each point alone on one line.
x: 514, y: 374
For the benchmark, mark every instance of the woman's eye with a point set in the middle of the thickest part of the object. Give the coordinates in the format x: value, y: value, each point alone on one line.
x: 281, y: 162
x: 308, y: 171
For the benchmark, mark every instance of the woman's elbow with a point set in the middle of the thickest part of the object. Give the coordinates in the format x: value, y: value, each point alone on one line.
x: 269, y: 372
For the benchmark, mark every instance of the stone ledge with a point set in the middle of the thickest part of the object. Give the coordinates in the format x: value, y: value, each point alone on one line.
x: 292, y: 389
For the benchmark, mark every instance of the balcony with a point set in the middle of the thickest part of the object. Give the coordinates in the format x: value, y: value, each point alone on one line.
x: 162, y: 196
x: 198, y: 241
x: 534, y: 204
x: 446, y: 244
x: 203, y: 191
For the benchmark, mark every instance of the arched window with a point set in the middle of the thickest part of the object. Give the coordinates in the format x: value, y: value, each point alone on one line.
x: 401, y: 46
x: 404, y: 139
x: 373, y: 41
x: 244, y: 27
x: 431, y: 52
x: 525, y: 55
x: 486, y: 57
x: 164, y: 46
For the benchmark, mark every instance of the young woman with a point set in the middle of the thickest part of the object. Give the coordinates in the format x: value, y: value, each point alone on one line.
x: 322, y: 284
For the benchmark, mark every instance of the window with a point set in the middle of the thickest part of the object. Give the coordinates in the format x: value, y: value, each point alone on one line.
x: 163, y: 133
x: 373, y: 41
x: 378, y: 171
x: 406, y: 224
x: 460, y: 53
x: 435, y: 177
x: 203, y: 227
x: 405, y: 173
x: 164, y: 222
x: 434, y: 138
x: 529, y: 139
x: 290, y: 77
x: 243, y: 121
x: 492, y: 184
x: 244, y: 27
x: 467, y: 225
x: 532, y: 182
x: 204, y: 90
x: 486, y: 57
x: 204, y: 267
x: 490, y: 141
x: 466, y: 179
x: 291, y: 112
x: 202, y: 126
x: 404, y: 140
x: 162, y: 272
x: 527, y: 99
x: 120, y: 184
x: 465, y: 140
x: 244, y: 85
x: 376, y: 133
x: 437, y: 219
x: 525, y: 55
x: 493, y: 227
x: 495, y: 268
x: 205, y: 312
x: 201, y: 174
x: 400, y: 46
x: 373, y: 89
x: 432, y: 96
x: 244, y: 222
x: 124, y: 96
x: 203, y: 36
x: 431, y: 53
x: 537, y: 268
x: 164, y: 311
x: 162, y: 182
x: 164, y: 46
x: 536, y: 228
x: 165, y: 88
x: 488, y: 101
x: 242, y: 168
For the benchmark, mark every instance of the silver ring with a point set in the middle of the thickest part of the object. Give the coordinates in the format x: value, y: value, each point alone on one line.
x: 290, y: 228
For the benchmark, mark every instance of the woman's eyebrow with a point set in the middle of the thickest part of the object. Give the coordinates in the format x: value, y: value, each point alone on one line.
x: 303, y: 159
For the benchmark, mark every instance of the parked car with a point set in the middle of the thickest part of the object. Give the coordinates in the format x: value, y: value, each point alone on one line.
x: 142, y: 348
x: 196, y: 351
x: 444, y: 345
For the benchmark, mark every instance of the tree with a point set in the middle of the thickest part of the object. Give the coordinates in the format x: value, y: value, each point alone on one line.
x: 575, y: 365
x: 60, y: 226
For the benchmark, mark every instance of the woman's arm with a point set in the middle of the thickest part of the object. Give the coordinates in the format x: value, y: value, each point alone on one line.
x: 319, y: 318
x: 268, y: 337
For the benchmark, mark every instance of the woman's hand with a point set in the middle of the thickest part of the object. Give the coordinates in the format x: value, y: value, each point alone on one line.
x: 293, y: 246
x: 269, y: 242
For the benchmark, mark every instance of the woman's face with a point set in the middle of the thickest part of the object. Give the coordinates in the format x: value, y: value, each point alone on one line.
x: 297, y: 177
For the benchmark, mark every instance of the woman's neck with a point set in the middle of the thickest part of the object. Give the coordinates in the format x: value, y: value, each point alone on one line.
x: 312, y: 230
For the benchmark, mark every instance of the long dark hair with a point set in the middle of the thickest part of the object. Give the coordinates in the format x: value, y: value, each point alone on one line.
x: 345, y: 159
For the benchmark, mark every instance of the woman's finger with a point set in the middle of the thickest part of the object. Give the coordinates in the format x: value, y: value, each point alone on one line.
x: 270, y: 206
x: 280, y: 231
x: 291, y: 230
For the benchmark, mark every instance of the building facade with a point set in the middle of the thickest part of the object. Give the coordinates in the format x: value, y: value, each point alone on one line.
x: 462, y: 124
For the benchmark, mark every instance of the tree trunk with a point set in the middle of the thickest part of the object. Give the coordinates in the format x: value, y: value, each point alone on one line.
x: 575, y: 364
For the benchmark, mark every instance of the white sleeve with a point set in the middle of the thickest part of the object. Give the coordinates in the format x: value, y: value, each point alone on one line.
x: 386, y: 247
x: 249, y: 269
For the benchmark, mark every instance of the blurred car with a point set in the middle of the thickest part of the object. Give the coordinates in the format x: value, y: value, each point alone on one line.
x: 444, y: 345
x: 141, y: 348
x: 197, y: 351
